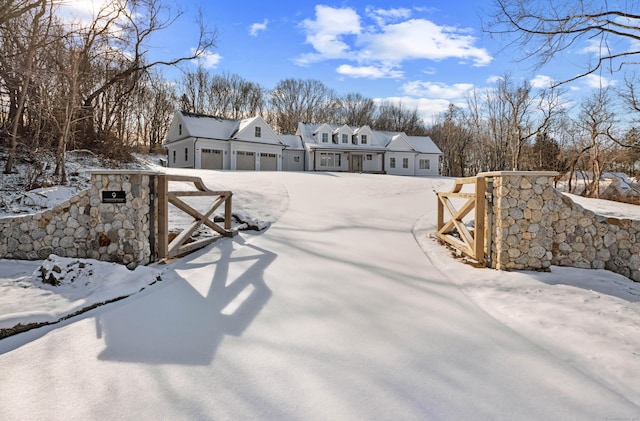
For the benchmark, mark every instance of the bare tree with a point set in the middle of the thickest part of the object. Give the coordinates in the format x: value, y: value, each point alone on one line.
x: 154, y: 108
x: 529, y: 113
x: 454, y: 139
x: 127, y: 26
x: 232, y: 96
x: 296, y: 100
x: 486, y: 118
x: 26, y: 45
x: 12, y: 9
x: 398, y: 118
x: 193, y: 91
x: 545, y: 29
x: 596, y: 120
x: 356, y: 110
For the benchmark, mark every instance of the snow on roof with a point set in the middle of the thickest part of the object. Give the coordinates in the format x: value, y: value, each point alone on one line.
x: 209, y: 127
x: 423, y: 144
x: 292, y: 141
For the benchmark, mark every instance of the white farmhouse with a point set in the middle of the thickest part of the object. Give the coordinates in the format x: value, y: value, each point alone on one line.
x: 200, y: 141
x: 361, y: 149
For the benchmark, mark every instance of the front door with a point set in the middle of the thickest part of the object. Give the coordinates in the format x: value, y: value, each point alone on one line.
x: 356, y: 163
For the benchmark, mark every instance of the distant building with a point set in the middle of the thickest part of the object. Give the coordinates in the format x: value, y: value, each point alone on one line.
x: 361, y: 149
x: 200, y: 141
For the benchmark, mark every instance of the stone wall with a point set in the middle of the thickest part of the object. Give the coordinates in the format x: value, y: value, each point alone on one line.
x: 87, y: 227
x: 533, y: 226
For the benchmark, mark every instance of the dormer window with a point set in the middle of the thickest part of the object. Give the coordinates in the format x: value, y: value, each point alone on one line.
x: 345, y: 138
x: 325, y: 137
x: 258, y: 132
x: 363, y: 139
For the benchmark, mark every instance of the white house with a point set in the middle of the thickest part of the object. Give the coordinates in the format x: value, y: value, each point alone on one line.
x: 200, y: 141
x: 361, y: 149
x: 293, y: 155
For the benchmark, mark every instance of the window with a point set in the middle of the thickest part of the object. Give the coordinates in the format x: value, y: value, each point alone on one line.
x: 296, y: 159
x: 174, y: 156
x: 330, y: 159
x: 369, y: 157
x: 325, y: 137
x: 180, y: 129
x: 363, y: 139
x: 392, y: 162
x: 345, y: 138
x: 405, y: 162
x: 258, y: 131
x: 425, y: 164
x: 186, y: 154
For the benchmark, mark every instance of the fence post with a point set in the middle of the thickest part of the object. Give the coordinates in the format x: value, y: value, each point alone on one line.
x: 440, y: 220
x: 163, y: 216
x: 227, y: 212
x: 479, y: 224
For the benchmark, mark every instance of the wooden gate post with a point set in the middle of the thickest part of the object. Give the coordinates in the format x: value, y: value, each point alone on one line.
x: 479, y: 222
x: 163, y: 216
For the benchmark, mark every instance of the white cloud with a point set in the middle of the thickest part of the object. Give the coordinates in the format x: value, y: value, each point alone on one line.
x: 436, y: 90
x: 209, y: 60
x: 257, y: 27
x: 427, y: 107
x: 594, y: 46
x: 595, y: 81
x: 370, y: 72
x: 337, y: 33
x: 423, y: 39
x: 382, y: 16
x: 326, y: 33
x: 542, y: 82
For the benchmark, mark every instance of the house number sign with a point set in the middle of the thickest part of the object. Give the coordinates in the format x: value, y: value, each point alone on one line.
x: 110, y: 196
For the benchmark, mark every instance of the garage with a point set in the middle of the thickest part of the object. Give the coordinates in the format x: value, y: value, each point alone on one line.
x: 268, y: 162
x: 211, y: 159
x: 245, y: 160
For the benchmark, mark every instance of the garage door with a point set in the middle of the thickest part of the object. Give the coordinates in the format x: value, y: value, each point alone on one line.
x: 245, y: 160
x: 211, y: 159
x: 268, y: 162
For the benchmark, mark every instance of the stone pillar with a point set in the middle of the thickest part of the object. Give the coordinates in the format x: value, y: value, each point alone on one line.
x: 122, y: 212
x: 521, y: 220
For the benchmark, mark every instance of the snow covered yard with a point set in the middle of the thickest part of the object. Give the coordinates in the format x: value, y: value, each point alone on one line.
x: 345, y: 308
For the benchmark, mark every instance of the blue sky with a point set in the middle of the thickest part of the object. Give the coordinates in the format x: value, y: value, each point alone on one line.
x: 424, y: 54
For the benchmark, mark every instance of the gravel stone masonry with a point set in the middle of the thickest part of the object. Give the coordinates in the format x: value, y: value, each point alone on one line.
x: 535, y: 226
x: 85, y: 227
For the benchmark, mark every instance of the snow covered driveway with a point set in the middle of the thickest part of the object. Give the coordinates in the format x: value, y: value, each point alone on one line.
x: 335, y: 312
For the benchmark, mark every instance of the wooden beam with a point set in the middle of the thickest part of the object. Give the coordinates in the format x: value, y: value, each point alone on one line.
x: 481, y: 189
x: 163, y: 216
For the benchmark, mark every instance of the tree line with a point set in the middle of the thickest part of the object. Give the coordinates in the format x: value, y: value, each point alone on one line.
x: 68, y: 85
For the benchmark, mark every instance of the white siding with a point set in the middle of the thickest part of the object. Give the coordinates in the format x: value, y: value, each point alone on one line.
x: 180, y: 154
x: 401, y: 158
x: 432, y: 160
x: 292, y: 160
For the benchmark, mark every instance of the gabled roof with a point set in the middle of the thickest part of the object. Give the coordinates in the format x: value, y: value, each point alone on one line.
x: 210, y: 127
x: 399, y: 142
x: 292, y: 141
x: 246, y: 131
x: 307, y: 131
x: 186, y: 125
x: 424, y: 144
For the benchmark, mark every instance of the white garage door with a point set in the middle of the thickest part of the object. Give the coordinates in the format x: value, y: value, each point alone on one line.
x: 268, y: 162
x: 211, y: 159
x: 245, y: 160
